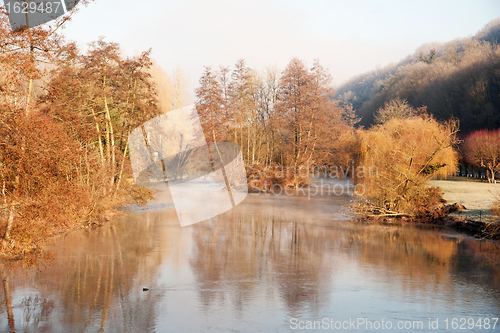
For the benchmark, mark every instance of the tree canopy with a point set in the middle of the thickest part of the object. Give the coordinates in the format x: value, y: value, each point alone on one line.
x: 460, y: 79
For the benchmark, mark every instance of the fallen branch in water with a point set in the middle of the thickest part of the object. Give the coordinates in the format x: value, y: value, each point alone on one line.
x: 371, y: 211
x: 394, y: 215
x: 440, y: 215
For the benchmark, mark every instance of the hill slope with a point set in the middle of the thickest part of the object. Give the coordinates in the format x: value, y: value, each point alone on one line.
x: 460, y: 78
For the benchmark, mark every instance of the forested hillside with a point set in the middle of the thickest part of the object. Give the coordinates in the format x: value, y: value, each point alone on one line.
x: 460, y: 78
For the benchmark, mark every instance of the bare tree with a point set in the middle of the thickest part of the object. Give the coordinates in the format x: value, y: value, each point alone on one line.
x: 394, y: 109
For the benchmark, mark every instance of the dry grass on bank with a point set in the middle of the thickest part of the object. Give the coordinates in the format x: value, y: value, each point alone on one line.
x: 479, y: 197
x: 481, y: 216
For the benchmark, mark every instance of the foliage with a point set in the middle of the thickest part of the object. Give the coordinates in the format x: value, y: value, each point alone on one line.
x: 496, y: 208
x: 173, y: 88
x: 405, y: 153
x: 209, y: 106
x: 394, y: 109
x: 482, y: 148
x: 494, y: 228
x: 309, y: 119
x: 26, y: 56
x: 278, y: 120
x: 106, y: 97
x: 64, y: 124
x: 460, y: 79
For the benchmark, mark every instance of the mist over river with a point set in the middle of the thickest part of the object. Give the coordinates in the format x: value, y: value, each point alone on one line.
x: 275, y: 263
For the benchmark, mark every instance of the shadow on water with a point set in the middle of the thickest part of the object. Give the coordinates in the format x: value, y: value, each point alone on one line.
x: 270, y: 259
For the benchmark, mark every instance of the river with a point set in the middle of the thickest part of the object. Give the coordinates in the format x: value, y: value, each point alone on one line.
x: 275, y: 263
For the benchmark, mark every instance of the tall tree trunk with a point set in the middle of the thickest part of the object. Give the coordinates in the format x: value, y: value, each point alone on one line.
x: 111, y: 143
x: 28, y: 95
x: 150, y: 153
x: 120, y: 174
x: 99, y: 136
x: 223, y: 169
x: 32, y: 63
x: 248, y: 142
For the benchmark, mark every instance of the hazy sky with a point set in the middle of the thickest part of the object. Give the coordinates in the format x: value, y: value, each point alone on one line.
x: 349, y: 37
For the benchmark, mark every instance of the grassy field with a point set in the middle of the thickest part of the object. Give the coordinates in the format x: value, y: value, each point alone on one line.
x: 477, y: 195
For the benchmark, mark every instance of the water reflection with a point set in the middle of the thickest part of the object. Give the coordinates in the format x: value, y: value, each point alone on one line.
x: 252, y: 268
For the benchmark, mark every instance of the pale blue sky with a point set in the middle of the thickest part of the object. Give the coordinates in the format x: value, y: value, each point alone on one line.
x: 349, y: 37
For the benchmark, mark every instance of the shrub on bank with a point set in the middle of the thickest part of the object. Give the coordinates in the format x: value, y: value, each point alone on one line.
x: 496, y: 208
x: 407, y: 153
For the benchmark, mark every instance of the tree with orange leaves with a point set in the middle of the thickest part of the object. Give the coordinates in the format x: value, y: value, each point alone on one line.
x: 482, y: 148
x: 209, y: 105
x: 307, y: 112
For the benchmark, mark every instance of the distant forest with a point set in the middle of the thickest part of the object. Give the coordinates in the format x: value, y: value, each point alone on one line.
x: 460, y: 79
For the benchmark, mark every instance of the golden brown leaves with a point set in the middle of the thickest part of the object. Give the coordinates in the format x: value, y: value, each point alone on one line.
x: 406, y: 153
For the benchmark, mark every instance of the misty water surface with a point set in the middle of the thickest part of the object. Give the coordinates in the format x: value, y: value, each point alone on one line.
x: 253, y: 269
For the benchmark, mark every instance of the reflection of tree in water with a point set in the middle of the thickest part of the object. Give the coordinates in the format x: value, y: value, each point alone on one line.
x: 94, y: 285
x: 479, y: 264
x: 243, y: 250
x: 36, y: 309
x: 252, y: 256
x: 6, y: 298
x: 302, y: 267
x: 240, y: 252
x: 424, y: 260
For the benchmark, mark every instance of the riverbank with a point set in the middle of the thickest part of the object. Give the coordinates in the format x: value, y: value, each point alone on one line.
x: 467, y: 209
x: 33, y: 230
x: 31, y: 249
x: 477, y: 197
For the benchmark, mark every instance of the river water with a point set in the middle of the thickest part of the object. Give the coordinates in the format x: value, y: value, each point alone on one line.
x: 272, y: 264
